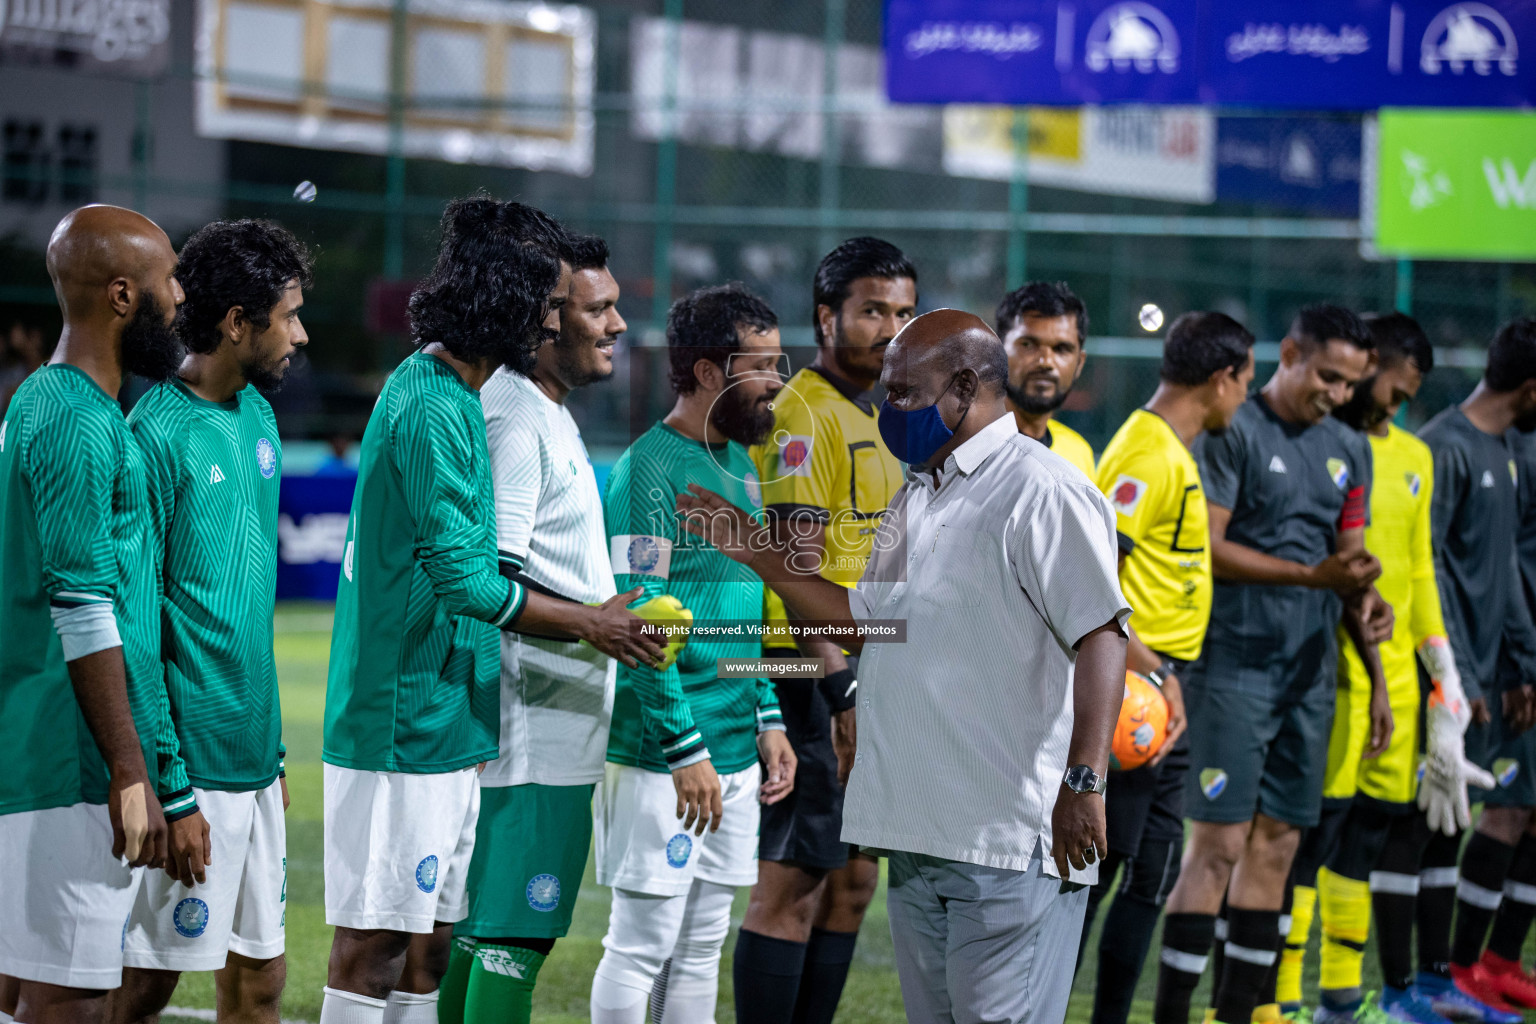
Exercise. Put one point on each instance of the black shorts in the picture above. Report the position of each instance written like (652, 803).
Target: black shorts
(1147, 803)
(806, 826)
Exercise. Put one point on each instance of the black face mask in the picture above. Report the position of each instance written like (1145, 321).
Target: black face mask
(150, 346)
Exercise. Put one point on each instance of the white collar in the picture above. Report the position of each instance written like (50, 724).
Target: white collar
(969, 456)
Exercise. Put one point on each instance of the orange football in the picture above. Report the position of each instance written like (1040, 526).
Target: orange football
(1143, 724)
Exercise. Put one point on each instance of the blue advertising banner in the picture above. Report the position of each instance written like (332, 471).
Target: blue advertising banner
(1307, 164)
(1040, 51)
(1289, 54)
(312, 514)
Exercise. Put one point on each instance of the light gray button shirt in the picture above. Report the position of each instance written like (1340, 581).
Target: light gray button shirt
(999, 571)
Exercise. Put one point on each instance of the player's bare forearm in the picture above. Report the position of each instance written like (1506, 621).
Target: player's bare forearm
(549, 616)
(739, 537)
(1138, 656)
(100, 682)
(807, 539)
(1098, 681)
(1242, 564)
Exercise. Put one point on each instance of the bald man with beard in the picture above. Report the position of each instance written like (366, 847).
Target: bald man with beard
(983, 740)
(83, 715)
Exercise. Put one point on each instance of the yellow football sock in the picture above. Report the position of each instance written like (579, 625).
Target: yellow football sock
(1288, 978)
(1346, 908)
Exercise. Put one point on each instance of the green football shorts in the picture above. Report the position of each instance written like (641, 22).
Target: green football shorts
(531, 846)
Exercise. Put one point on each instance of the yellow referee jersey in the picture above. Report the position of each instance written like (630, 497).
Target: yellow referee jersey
(1402, 488)
(825, 455)
(1154, 483)
(1070, 445)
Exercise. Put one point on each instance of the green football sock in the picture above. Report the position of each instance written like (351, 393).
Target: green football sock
(455, 984)
(501, 985)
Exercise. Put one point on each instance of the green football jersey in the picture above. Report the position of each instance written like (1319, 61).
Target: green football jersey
(415, 676)
(213, 470)
(74, 533)
(666, 719)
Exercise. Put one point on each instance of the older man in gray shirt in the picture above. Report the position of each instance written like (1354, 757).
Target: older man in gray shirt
(984, 740)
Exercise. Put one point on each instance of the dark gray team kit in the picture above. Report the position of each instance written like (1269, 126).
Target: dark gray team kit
(1260, 697)
(1476, 513)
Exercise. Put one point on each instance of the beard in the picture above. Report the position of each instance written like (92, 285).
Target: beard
(150, 347)
(1037, 405)
(1360, 412)
(572, 363)
(269, 379)
(743, 421)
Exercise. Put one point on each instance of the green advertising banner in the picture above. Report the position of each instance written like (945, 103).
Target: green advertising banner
(1455, 184)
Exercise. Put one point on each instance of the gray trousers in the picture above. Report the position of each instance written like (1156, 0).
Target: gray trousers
(979, 945)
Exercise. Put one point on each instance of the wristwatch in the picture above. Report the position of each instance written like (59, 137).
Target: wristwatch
(1081, 778)
(1163, 671)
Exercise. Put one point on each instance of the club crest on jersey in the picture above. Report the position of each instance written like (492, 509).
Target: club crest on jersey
(190, 917)
(426, 873)
(266, 458)
(1213, 782)
(543, 893)
(1126, 494)
(754, 489)
(1338, 472)
(1504, 770)
(1413, 483)
(679, 848)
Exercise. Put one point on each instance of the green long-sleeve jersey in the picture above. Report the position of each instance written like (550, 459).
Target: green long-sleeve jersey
(685, 713)
(213, 470)
(76, 572)
(414, 681)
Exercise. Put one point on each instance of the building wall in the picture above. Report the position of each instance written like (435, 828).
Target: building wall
(190, 171)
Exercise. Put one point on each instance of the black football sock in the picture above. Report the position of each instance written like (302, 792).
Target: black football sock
(1108, 870)
(827, 959)
(1513, 921)
(1484, 866)
(1252, 939)
(1128, 928)
(1395, 888)
(1187, 942)
(767, 974)
(1437, 899)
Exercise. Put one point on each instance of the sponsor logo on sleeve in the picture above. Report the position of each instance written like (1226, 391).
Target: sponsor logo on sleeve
(1126, 494)
(641, 555)
(795, 457)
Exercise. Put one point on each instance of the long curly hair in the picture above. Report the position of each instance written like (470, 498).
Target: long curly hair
(488, 293)
(245, 263)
